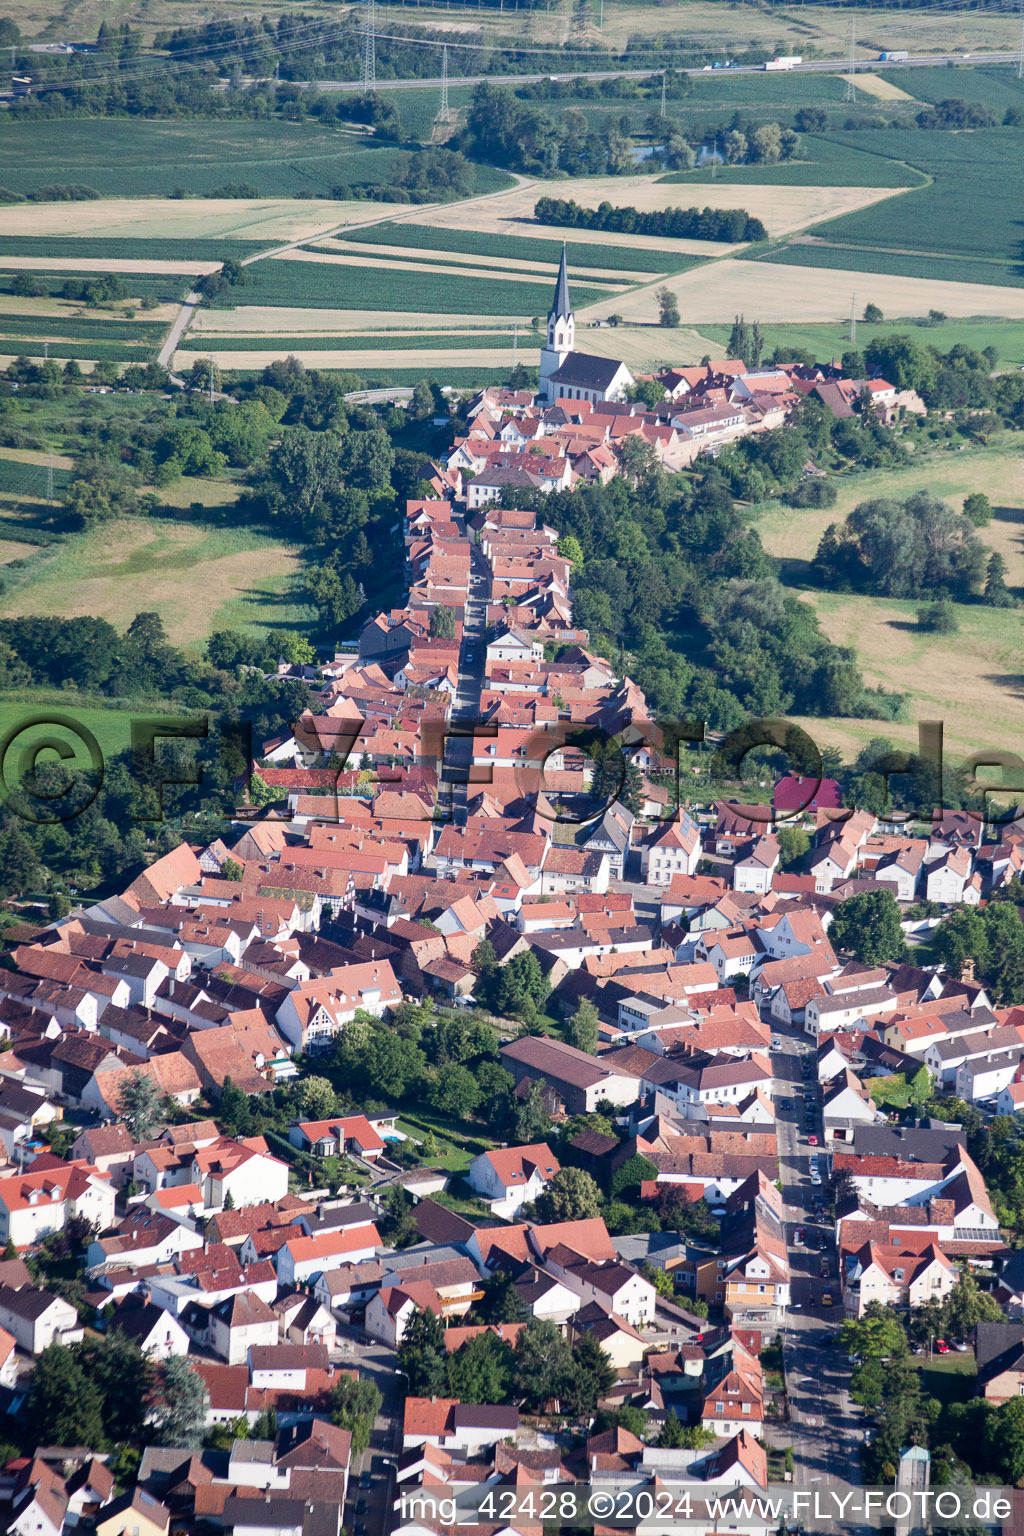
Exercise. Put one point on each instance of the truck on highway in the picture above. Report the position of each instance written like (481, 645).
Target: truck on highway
(785, 61)
(893, 56)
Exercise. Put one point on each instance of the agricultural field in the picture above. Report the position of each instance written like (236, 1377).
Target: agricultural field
(137, 157)
(542, 271)
(778, 293)
(326, 283)
(971, 680)
(971, 210)
(524, 249)
(792, 534)
(822, 161)
(263, 222)
(823, 342)
(196, 578)
(810, 252)
(782, 209)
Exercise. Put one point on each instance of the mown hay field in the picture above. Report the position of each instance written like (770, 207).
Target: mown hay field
(197, 579)
(972, 681)
(781, 208)
(793, 534)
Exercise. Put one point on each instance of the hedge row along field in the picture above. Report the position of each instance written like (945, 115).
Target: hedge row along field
(721, 224)
(319, 285)
(608, 258)
(164, 287)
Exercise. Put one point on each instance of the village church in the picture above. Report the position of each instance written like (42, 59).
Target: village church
(566, 374)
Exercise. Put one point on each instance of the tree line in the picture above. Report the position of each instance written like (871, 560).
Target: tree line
(728, 224)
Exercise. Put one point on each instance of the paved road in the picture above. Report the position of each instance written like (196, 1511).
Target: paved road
(458, 757)
(825, 1431)
(377, 1362)
(811, 66)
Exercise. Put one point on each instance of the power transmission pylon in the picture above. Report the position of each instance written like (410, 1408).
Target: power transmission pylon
(853, 317)
(851, 89)
(369, 46)
(49, 481)
(445, 117)
(211, 380)
(1020, 55)
(663, 93)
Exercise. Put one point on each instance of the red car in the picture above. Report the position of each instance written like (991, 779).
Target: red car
(812, 1140)
(941, 1347)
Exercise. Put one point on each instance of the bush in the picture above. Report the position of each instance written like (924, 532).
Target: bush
(939, 618)
(813, 492)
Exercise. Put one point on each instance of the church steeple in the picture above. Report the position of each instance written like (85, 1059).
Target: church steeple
(561, 322)
(562, 309)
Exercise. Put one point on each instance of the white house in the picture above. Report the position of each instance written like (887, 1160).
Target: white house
(508, 1177)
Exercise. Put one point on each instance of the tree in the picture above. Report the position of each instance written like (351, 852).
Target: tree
(501, 1302)
(966, 1306)
(582, 1030)
(398, 1223)
(482, 1371)
(63, 1406)
(978, 508)
(592, 1375)
(997, 593)
(182, 1417)
(867, 926)
(531, 1121)
(510, 988)
(231, 870)
(455, 1091)
(672, 1434)
(571, 1195)
(668, 307)
(355, 1406)
(10, 1251)
(421, 1354)
(873, 315)
(793, 843)
(315, 1098)
(139, 1105)
(570, 549)
(442, 622)
(628, 1177)
(766, 144)
(421, 406)
(544, 1363)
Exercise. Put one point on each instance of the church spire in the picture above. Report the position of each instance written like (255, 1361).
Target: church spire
(561, 308)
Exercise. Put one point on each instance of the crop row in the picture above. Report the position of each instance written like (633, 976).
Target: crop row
(321, 285)
(82, 327)
(604, 258)
(823, 162)
(899, 264)
(17, 479)
(81, 351)
(204, 342)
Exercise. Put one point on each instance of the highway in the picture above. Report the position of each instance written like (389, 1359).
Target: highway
(810, 66)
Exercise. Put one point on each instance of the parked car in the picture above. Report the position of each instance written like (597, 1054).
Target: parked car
(961, 1348)
(826, 1298)
(941, 1347)
(812, 1139)
(364, 1480)
(815, 1177)
(798, 1235)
